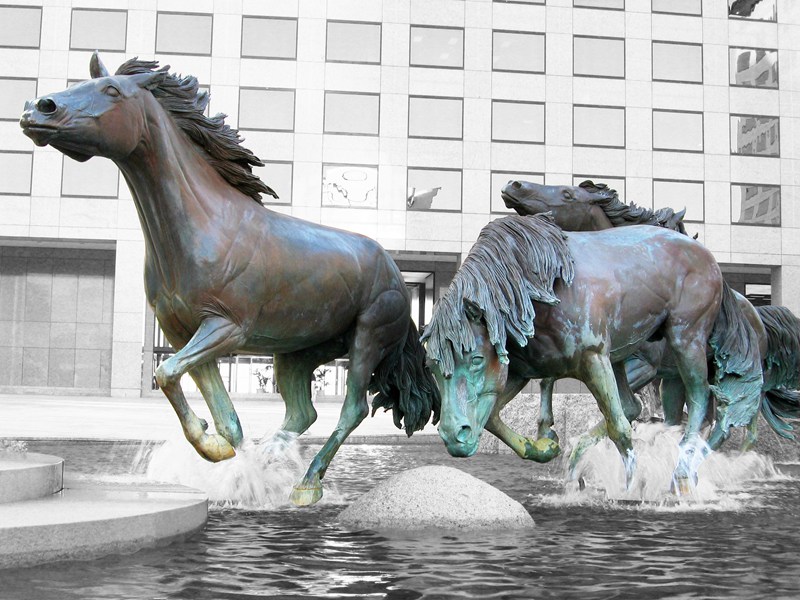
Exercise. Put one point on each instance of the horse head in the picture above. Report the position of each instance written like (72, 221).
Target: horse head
(103, 116)
(574, 208)
(469, 393)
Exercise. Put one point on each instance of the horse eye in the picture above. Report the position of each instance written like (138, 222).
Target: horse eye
(477, 361)
(112, 91)
(567, 195)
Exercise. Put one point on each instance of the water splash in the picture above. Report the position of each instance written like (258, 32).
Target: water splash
(259, 477)
(723, 478)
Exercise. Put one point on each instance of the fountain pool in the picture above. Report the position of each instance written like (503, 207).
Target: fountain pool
(742, 543)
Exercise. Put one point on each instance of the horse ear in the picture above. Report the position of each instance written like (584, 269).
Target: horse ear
(473, 311)
(96, 66)
(150, 79)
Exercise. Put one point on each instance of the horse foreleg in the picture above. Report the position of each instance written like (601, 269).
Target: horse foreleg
(215, 337)
(673, 399)
(210, 384)
(600, 378)
(750, 434)
(541, 450)
(546, 420)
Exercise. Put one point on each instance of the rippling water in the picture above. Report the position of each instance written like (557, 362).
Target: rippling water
(743, 544)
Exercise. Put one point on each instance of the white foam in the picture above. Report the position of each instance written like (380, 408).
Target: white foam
(723, 478)
(259, 477)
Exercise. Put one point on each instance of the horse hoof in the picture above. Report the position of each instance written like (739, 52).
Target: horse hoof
(214, 448)
(204, 424)
(306, 496)
(542, 450)
(682, 486)
(551, 435)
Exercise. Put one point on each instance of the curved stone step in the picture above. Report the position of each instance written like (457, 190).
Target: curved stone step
(28, 475)
(88, 520)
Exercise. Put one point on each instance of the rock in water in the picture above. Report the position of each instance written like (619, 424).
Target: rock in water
(436, 496)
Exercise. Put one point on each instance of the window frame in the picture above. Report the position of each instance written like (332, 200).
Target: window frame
(754, 87)
(740, 18)
(268, 18)
(266, 198)
(355, 62)
(529, 102)
(424, 66)
(267, 89)
(106, 10)
(531, 33)
(325, 129)
(185, 14)
(350, 164)
(668, 180)
(675, 110)
(460, 171)
(431, 137)
(624, 126)
(680, 14)
(778, 122)
(64, 159)
(601, 37)
(35, 92)
(41, 16)
(599, 7)
(773, 185)
(674, 43)
(30, 182)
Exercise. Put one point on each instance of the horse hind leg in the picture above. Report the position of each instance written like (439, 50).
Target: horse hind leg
(379, 330)
(546, 421)
(215, 337)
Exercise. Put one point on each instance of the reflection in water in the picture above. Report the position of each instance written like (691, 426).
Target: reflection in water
(753, 204)
(762, 10)
(592, 550)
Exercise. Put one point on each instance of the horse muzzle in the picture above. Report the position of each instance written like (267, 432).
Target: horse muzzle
(462, 443)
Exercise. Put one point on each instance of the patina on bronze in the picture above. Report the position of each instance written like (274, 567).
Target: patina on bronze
(226, 275)
(531, 301)
(595, 206)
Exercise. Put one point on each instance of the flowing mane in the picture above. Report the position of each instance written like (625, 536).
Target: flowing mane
(180, 98)
(621, 214)
(515, 261)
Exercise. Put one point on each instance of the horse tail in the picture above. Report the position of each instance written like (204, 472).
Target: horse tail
(405, 385)
(777, 406)
(783, 347)
(738, 379)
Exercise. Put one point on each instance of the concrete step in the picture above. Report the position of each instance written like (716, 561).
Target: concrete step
(28, 475)
(88, 520)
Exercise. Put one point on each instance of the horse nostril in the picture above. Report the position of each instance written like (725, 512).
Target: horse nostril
(46, 106)
(516, 185)
(464, 433)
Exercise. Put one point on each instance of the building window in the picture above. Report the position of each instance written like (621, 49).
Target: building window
(753, 67)
(678, 130)
(180, 33)
(755, 204)
(13, 95)
(353, 42)
(598, 126)
(517, 122)
(95, 178)
(266, 109)
(678, 195)
(16, 169)
(352, 113)
(269, 37)
(607, 4)
(98, 30)
(434, 189)
(598, 57)
(692, 8)
(499, 181)
(278, 176)
(520, 1)
(677, 62)
(350, 186)
(758, 10)
(437, 47)
(435, 117)
(614, 183)
(20, 26)
(518, 52)
(755, 136)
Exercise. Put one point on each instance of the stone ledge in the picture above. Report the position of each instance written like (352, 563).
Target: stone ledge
(28, 475)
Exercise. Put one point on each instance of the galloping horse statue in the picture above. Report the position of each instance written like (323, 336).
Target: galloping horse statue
(531, 301)
(594, 206)
(226, 275)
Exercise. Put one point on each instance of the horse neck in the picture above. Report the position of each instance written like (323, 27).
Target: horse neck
(177, 193)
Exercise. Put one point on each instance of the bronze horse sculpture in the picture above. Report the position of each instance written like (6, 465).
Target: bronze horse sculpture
(593, 207)
(226, 275)
(531, 301)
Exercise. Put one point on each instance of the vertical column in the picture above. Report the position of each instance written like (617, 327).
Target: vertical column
(129, 318)
(786, 287)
